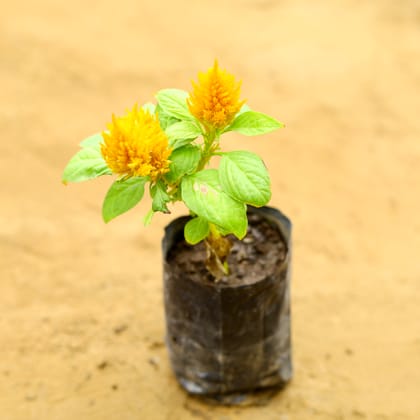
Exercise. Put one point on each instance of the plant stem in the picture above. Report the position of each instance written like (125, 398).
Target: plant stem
(211, 145)
(218, 248)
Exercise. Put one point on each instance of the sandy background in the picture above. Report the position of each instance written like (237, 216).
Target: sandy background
(81, 325)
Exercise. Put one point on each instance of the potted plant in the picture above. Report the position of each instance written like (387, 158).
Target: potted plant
(226, 264)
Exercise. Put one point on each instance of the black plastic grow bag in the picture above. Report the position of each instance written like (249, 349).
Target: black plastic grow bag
(227, 339)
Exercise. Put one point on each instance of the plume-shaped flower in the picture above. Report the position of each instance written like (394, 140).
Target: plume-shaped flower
(136, 145)
(215, 98)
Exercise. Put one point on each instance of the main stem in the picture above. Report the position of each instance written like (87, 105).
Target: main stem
(210, 146)
(218, 247)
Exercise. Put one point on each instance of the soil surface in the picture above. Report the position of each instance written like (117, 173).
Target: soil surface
(250, 260)
(82, 327)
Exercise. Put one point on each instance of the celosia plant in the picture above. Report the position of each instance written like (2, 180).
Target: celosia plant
(169, 146)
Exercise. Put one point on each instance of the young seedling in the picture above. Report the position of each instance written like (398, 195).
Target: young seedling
(169, 145)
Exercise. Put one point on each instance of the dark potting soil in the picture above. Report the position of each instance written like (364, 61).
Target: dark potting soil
(250, 260)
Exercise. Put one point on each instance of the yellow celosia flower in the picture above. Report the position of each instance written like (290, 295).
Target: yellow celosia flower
(215, 98)
(136, 145)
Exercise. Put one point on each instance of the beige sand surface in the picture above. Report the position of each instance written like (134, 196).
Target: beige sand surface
(81, 325)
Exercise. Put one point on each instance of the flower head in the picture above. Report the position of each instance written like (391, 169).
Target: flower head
(136, 145)
(215, 98)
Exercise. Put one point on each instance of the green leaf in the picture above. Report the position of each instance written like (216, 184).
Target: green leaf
(244, 177)
(123, 195)
(252, 123)
(183, 161)
(182, 132)
(165, 120)
(176, 144)
(149, 106)
(196, 230)
(174, 103)
(87, 163)
(92, 141)
(160, 197)
(202, 194)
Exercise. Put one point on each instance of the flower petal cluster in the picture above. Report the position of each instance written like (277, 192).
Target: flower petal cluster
(215, 98)
(136, 145)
